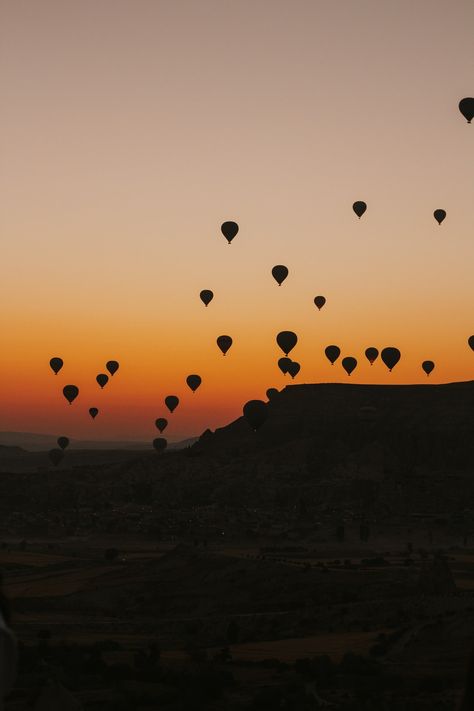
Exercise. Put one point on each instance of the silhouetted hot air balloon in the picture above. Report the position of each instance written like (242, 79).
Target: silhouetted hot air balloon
(466, 107)
(283, 364)
(279, 273)
(470, 341)
(371, 354)
(224, 343)
(93, 412)
(390, 357)
(160, 444)
(349, 364)
(70, 392)
(428, 366)
(272, 393)
(63, 442)
(206, 296)
(112, 366)
(332, 353)
(229, 230)
(359, 208)
(56, 364)
(287, 340)
(171, 402)
(294, 368)
(256, 413)
(439, 215)
(161, 423)
(193, 381)
(102, 379)
(56, 455)
(319, 301)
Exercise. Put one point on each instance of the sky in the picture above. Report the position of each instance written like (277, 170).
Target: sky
(131, 129)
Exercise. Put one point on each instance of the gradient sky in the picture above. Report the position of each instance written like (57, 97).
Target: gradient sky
(131, 129)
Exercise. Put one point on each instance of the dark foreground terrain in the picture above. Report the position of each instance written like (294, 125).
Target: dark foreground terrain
(326, 561)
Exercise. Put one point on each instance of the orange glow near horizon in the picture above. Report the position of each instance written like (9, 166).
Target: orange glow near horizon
(129, 137)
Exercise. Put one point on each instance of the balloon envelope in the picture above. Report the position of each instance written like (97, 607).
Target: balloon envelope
(287, 340)
(359, 208)
(439, 215)
(256, 413)
(332, 353)
(56, 455)
(229, 230)
(283, 364)
(93, 412)
(160, 444)
(56, 364)
(371, 354)
(466, 107)
(428, 366)
(171, 402)
(319, 301)
(102, 379)
(272, 393)
(224, 343)
(279, 273)
(390, 357)
(112, 366)
(63, 442)
(294, 368)
(193, 382)
(70, 392)
(349, 364)
(206, 296)
(161, 424)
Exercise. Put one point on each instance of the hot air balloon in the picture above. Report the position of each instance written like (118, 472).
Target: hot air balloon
(332, 353)
(56, 364)
(294, 368)
(256, 413)
(466, 107)
(171, 402)
(287, 340)
(390, 357)
(319, 301)
(93, 412)
(63, 442)
(283, 364)
(359, 208)
(206, 296)
(112, 366)
(102, 379)
(428, 366)
(70, 392)
(272, 393)
(349, 364)
(224, 343)
(161, 423)
(229, 230)
(56, 455)
(371, 354)
(439, 215)
(193, 381)
(470, 341)
(160, 444)
(279, 273)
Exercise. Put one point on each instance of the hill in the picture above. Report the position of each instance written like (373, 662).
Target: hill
(384, 449)
(35, 442)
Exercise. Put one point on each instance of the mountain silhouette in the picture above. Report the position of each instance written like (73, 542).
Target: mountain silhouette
(375, 448)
